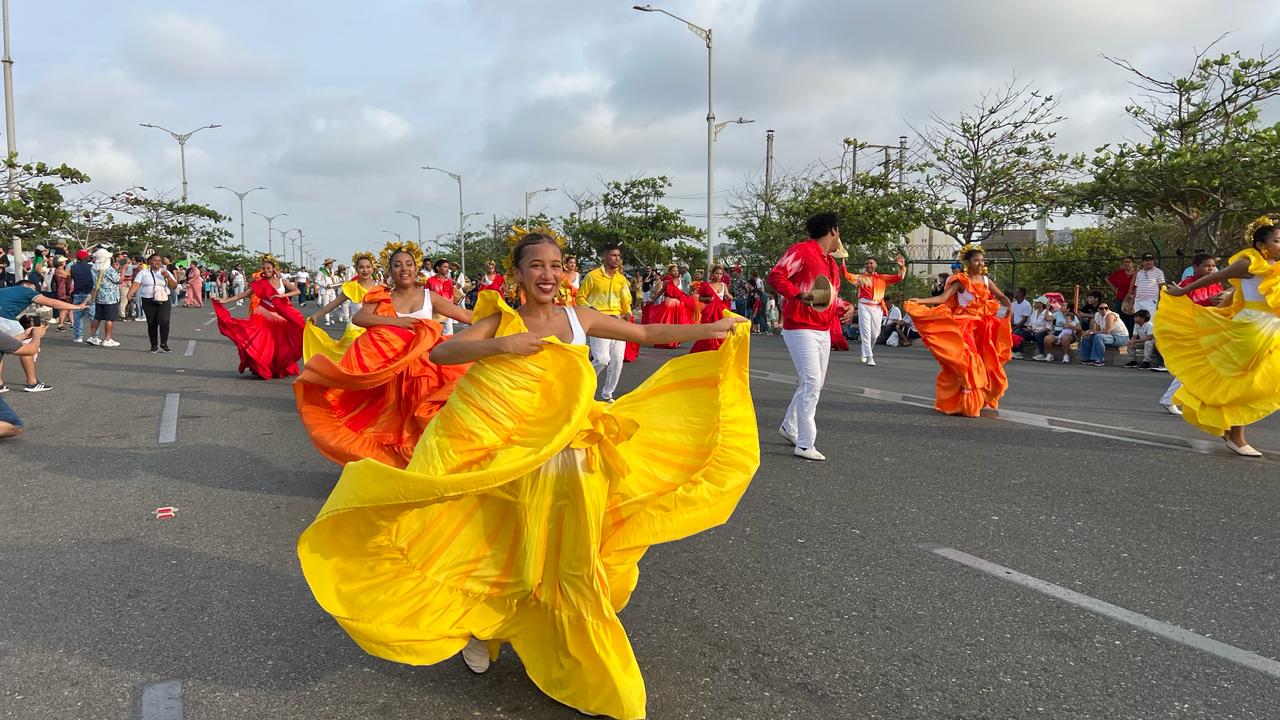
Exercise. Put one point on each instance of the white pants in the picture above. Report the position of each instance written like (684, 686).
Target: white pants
(870, 321)
(1148, 305)
(1167, 398)
(325, 297)
(810, 350)
(607, 354)
(447, 325)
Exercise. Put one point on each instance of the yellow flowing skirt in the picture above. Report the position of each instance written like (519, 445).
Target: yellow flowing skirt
(315, 341)
(1229, 364)
(525, 509)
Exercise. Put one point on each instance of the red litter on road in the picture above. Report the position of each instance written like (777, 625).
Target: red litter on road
(165, 513)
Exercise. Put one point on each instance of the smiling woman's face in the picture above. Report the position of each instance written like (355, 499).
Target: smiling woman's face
(540, 270)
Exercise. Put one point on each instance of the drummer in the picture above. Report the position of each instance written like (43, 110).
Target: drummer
(808, 279)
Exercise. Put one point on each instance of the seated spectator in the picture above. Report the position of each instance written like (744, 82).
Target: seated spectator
(1066, 328)
(1020, 312)
(1144, 338)
(25, 346)
(897, 330)
(1090, 308)
(1106, 330)
(1040, 324)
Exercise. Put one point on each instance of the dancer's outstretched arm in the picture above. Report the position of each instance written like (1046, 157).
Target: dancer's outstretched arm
(597, 324)
(947, 293)
(449, 309)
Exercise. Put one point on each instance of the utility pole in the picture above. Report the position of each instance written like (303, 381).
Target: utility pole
(902, 159)
(11, 138)
(768, 173)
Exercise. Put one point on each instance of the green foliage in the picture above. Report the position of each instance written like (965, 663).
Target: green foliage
(875, 213)
(1208, 161)
(994, 167)
(37, 209)
(1092, 254)
(632, 216)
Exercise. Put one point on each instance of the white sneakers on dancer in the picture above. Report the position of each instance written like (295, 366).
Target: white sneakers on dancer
(810, 350)
(476, 655)
(809, 454)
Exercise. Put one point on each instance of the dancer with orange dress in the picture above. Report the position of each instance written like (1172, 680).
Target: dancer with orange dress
(570, 283)
(270, 339)
(376, 400)
(527, 506)
(969, 341)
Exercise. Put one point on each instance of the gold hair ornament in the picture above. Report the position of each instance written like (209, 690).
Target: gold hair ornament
(392, 248)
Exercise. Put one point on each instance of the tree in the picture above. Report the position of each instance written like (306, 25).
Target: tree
(36, 209)
(875, 213)
(1208, 161)
(1086, 261)
(632, 216)
(995, 167)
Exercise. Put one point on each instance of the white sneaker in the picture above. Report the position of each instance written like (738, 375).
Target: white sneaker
(809, 454)
(1066, 359)
(476, 655)
(1038, 357)
(94, 340)
(864, 361)
(790, 436)
(1048, 357)
(871, 362)
(78, 340)
(110, 343)
(1171, 408)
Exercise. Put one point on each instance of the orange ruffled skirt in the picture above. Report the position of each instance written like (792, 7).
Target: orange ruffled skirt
(376, 401)
(971, 350)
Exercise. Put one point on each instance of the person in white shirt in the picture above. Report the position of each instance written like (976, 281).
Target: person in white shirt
(897, 328)
(237, 283)
(1020, 310)
(1066, 326)
(326, 286)
(1106, 330)
(1144, 336)
(1145, 289)
(1040, 324)
(303, 281)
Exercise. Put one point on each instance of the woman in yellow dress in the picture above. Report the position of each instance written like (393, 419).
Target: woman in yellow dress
(527, 505)
(317, 341)
(1228, 358)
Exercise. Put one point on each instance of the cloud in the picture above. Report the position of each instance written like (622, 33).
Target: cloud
(184, 48)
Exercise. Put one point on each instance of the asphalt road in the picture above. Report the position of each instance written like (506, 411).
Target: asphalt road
(817, 599)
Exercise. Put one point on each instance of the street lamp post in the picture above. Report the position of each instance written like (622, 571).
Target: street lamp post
(392, 232)
(241, 196)
(182, 148)
(461, 218)
(10, 137)
(417, 218)
(529, 196)
(705, 35)
(270, 219)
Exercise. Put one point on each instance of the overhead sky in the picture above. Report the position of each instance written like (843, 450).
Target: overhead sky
(334, 105)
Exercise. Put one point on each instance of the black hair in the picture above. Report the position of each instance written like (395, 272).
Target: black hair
(1094, 294)
(1261, 234)
(971, 252)
(1143, 313)
(435, 265)
(1201, 258)
(870, 257)
(1130, 258)
(822, 224)
(153, 256)
(1021, 290)
(603, 251)
(539, 238)
(25, 281)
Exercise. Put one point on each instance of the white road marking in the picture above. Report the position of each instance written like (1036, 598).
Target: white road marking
(211, 321)
(169, 419)
(1048, 422)
(191, 348)
(1163, 629)
(161, 701)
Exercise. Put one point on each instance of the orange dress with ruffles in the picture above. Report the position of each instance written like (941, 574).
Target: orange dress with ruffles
(970, 343)
(376, 401)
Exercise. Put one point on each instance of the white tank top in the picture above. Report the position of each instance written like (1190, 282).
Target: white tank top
(422, 313)
(1249, 289)
(278, 284)
(579, 337)
(965, 297)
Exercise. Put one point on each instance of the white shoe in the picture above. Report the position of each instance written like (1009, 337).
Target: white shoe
(871, 362)
(1038, 357)
(110, 343)
(809, 454)
(864, 361)
(78, 340)
(1066, 359)
(1245, 450)
(1171, 408)
(476, 655)
(93, 340)
(790, 436)
(1048, 357)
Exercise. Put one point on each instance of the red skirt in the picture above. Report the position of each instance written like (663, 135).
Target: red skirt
(269, 340)
(669, 311)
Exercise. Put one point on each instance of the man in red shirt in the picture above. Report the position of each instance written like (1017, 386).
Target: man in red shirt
(1121, 281)
(1209, 296)
(871, 286)
(805, 329)
(442, 285)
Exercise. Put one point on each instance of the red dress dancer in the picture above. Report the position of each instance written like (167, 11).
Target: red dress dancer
(838, 340)
(376, 401)
(270, 339)
(716, 300)
(675, 307)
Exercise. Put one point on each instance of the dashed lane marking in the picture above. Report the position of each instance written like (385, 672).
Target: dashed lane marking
(1160, 628)
(191, 348)
(169, 419)
(161, 701)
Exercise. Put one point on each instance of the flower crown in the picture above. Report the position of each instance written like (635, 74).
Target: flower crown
(971, 247)
(363, 255)
(268, 257)
(392, 248)
(517, 234)
(1264, 221)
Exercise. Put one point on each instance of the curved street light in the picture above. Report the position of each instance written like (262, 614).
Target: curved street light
(270, 219)
(241, 196)
(461, 218)
(529, 196)
(182, 148)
